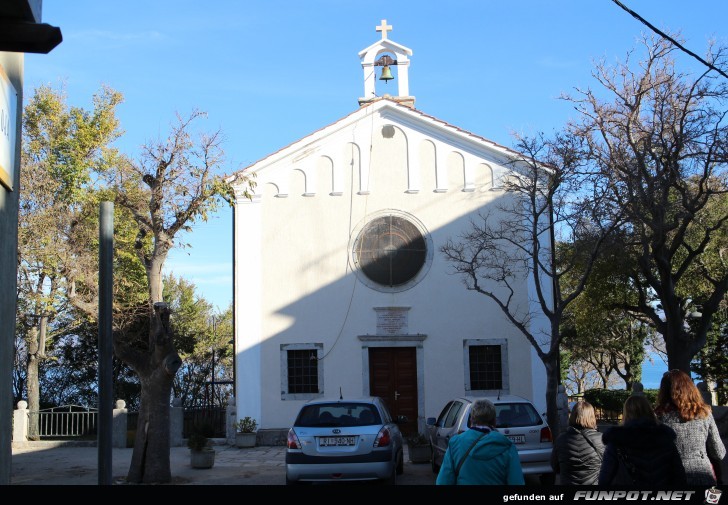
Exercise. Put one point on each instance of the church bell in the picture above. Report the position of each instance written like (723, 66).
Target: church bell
(386, 74)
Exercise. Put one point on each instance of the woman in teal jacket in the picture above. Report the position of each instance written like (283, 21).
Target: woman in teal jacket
(481, 455)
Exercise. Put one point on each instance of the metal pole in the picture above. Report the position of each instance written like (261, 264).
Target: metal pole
(106, 385)
(214, 337)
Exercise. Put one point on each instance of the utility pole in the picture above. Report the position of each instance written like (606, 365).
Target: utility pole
(106, 383)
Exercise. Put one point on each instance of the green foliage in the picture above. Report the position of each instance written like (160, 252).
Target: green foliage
(711, 363)
(564, 362)
(669, 183)
(607, 399)
(70, 142)
(62, 148)
(245, 425)
(612, 400)
(192, 315)
(417, 439)
(597, 331)
(69, 374)
(203, 340)
(200, 436)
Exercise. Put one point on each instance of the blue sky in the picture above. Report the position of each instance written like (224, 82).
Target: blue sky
(270, 72)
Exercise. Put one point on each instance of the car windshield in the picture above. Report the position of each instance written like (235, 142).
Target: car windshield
(513, 415)
(326, 415)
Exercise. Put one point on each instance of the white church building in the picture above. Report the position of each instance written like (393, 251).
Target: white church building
(340, 286)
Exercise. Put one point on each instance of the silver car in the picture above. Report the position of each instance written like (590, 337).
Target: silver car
(516, 418)
(344, 440)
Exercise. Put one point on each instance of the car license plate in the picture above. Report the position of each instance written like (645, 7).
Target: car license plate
(517, 439)
(336, 441)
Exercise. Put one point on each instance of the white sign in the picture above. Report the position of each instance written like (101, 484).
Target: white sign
(8, 116)
(392, 320)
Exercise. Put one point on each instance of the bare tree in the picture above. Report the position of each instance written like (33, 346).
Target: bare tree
(662, 143)
(171, 186)
(582, 376)
(550, 198)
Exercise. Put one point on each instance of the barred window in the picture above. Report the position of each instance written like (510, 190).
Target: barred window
(302, 371)
(486, 368)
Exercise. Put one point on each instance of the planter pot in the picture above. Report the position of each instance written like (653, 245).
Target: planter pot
(204, 458)
(419, 453)
(245, 439)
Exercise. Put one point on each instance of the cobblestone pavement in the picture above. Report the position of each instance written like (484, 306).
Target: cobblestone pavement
(42, 463)
(37, 463)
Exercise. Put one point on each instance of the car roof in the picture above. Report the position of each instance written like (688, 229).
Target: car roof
(496, 399)
(364, 399)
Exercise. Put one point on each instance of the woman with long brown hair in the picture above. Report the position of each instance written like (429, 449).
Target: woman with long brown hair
(641, 452)
(680, 406)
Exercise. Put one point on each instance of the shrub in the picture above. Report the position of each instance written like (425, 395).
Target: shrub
(197, 441)
(199, 437)
(607, 399)
(245, 425)
(612, 400)
(416, 439)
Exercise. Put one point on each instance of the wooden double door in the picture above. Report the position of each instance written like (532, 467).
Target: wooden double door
(393, 376)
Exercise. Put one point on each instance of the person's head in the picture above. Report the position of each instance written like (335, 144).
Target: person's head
(482, 413)
(583, 416)
(678, 393)
(638, 407)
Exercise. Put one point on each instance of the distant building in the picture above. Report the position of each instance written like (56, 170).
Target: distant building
(340, 286)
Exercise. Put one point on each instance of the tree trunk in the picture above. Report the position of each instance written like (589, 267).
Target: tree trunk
(33, 384)
(154, 273)
(679, 354)
(552, 384)
(156, 368)
(680, 345)
(150, 459)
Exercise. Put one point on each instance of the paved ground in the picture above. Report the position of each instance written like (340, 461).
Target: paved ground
(40, 463)
(43, 464)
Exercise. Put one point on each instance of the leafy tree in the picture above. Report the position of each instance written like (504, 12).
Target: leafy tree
(661, 143)
(712, 362)
(172, 185)
(69, 375)
(61, 147)
(204, 345)
(551, 197)
(598, 332)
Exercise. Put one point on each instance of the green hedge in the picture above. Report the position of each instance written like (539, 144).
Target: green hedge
(612, 400)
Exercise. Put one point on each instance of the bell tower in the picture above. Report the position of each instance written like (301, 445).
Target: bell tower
(391, 61)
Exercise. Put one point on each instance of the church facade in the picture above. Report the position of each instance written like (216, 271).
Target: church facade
(340, 286)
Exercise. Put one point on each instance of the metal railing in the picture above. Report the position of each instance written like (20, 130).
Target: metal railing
(65, 421)
(211, 420)
(75, 421)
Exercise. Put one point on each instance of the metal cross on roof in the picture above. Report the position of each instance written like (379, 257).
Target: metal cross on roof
(384, 28)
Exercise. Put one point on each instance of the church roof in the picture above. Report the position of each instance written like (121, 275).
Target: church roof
(386, 45)
(379, 104)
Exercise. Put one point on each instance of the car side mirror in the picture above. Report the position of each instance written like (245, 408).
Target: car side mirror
(431, 421)
(401, 419)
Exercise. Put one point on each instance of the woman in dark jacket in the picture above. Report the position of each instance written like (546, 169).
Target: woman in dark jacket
(641, 452)
(577, 453)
